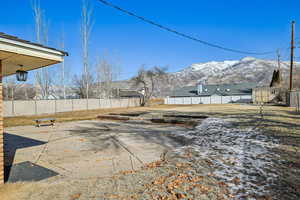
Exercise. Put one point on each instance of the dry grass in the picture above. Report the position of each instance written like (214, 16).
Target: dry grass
(64, 116)
(76, 115)
(277, 119)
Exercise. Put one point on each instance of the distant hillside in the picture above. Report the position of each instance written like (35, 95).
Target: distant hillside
(248, 69)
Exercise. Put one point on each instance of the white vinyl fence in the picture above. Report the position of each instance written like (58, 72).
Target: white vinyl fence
(215, 99)
(294, 99)
(36, 107)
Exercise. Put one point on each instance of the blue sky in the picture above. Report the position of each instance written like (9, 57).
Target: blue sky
(254, 25)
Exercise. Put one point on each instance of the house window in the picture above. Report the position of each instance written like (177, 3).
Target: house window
(227, 89)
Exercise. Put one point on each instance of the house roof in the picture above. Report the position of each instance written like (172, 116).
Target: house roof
(185, 92)
(16, 52)
(217, 89)
(129, 93)
(11, 37)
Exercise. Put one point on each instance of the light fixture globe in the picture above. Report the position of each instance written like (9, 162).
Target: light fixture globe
(21, 74)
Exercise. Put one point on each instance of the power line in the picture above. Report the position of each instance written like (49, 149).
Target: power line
(182, 34)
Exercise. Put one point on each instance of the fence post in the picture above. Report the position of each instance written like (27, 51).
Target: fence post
(298, 103)
(87, 104)
(72, 105)
(35, 107)
(55, 109)
(13, 107)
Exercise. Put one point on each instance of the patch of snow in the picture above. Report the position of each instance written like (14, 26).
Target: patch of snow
(235, 154)
(247, 59)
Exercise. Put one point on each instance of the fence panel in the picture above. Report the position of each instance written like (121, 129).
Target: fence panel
(7, 110)
(215, 99)
(23, 108)
(187, 100)
(79, 104)
(226, 99)
(18, 108)
(196, 100)
(235, 98)
(294, 100)
(124, 103)
(93, 104)
(205, 100)
(44, 106)
(64, 105)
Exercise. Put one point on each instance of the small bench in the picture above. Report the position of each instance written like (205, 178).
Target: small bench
(45, 121)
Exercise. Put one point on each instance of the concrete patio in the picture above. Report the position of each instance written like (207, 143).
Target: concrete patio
(89, 149)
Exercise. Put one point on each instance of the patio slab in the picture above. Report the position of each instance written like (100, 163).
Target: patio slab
(89, 149)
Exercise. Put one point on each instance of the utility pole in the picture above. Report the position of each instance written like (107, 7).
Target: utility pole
(292, 55)
(279, 68)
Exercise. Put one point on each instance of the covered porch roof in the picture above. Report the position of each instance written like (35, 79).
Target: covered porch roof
(15, 52)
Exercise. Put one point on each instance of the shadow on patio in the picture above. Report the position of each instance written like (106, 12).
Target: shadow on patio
(11, 144)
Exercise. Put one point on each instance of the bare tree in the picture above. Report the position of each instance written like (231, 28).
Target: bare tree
(43, 80)
(108, 71)
(104, 78)
(11, 87)
(12, 90)
(148, 79)
(63, 67)
(86, 27)
(37, 12)
(79, 85)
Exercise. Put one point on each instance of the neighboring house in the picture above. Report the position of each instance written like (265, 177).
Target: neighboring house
(56, 97)
(130, 94)
(212, 94)
(126, 93)
(49, 97)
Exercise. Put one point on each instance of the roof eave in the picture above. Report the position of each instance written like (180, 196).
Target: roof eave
(32, 46)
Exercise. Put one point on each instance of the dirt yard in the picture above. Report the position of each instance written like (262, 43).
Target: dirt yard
(236, 153)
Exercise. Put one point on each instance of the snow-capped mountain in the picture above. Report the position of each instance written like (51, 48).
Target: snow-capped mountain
(248, 69)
